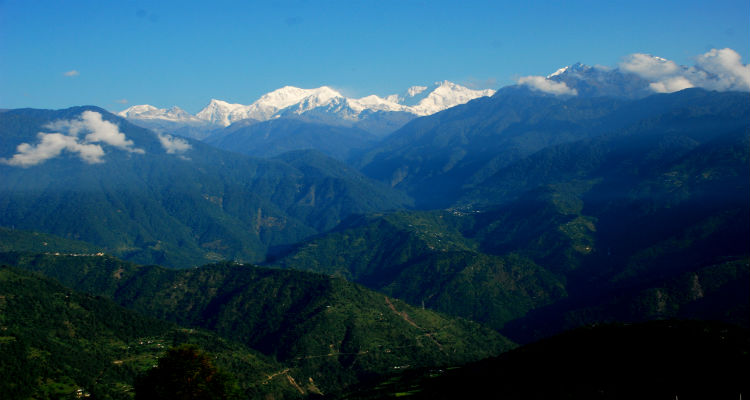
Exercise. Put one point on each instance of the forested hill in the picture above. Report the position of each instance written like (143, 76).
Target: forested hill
(332, 332)
(82, 173)
(642, 213)
(59, 343)
(453, 155)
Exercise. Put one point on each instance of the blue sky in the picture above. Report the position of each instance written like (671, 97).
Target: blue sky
(56, 54)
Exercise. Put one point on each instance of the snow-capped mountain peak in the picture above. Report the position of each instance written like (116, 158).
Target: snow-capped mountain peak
(446, 94)
(290, 95)
(269, 105)
(558, 72)
(139, 111)
(291, 101)
(146, 111)
(218, 112)
(376, 103)
(312, 98)
(424, 100)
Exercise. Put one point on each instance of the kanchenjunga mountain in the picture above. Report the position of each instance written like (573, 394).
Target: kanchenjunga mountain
(324, 105)
(291, 118)
(326, 332)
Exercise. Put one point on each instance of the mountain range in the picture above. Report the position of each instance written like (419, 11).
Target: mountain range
(322, 119)
(389, 253)
(376, 114)
(557, 212)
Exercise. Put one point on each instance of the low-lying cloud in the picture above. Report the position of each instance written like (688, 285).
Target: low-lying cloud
(717, 69)
(174, 145)
(52, 145)
(98, 130)
(543, 84)
(65, 137)
(725, 70)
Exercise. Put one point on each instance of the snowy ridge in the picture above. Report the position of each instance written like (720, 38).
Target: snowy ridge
(558, 72)
(222, 113)
(306, 99)
(290, 100)
(146, 111)
(446, 95)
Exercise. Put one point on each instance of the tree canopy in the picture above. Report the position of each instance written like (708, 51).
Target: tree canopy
(185, 372)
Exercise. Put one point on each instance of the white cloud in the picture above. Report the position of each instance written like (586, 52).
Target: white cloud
(98, 130)
(725, 69)
(672, 84)
(72, 73)
(106, 132)
(174, 145)
(715, 70)
(67, 138)
(543, 84)
(649, 67)
(52, 145)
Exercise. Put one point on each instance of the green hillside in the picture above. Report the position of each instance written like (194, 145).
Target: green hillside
(423, 258)
(180, 210)
(332, 333)
(35, 242)
(658, 193)
(56, 342)
(543, 252)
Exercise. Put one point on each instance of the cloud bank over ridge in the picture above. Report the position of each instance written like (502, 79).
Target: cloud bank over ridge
(717, 69)
(65, 136)
(173, 145)
(546, 85)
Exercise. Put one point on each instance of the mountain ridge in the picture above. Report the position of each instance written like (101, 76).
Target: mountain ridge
(329, 330)
(290, 101)
(172, 197)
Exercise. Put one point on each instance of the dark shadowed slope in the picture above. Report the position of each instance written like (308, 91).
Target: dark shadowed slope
(655, 360)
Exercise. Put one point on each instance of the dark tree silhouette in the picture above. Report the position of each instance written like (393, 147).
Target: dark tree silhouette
(185, 373)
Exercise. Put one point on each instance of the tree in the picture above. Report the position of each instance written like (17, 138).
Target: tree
(185, 373)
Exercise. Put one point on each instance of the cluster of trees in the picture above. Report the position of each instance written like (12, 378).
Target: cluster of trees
(186, 373)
